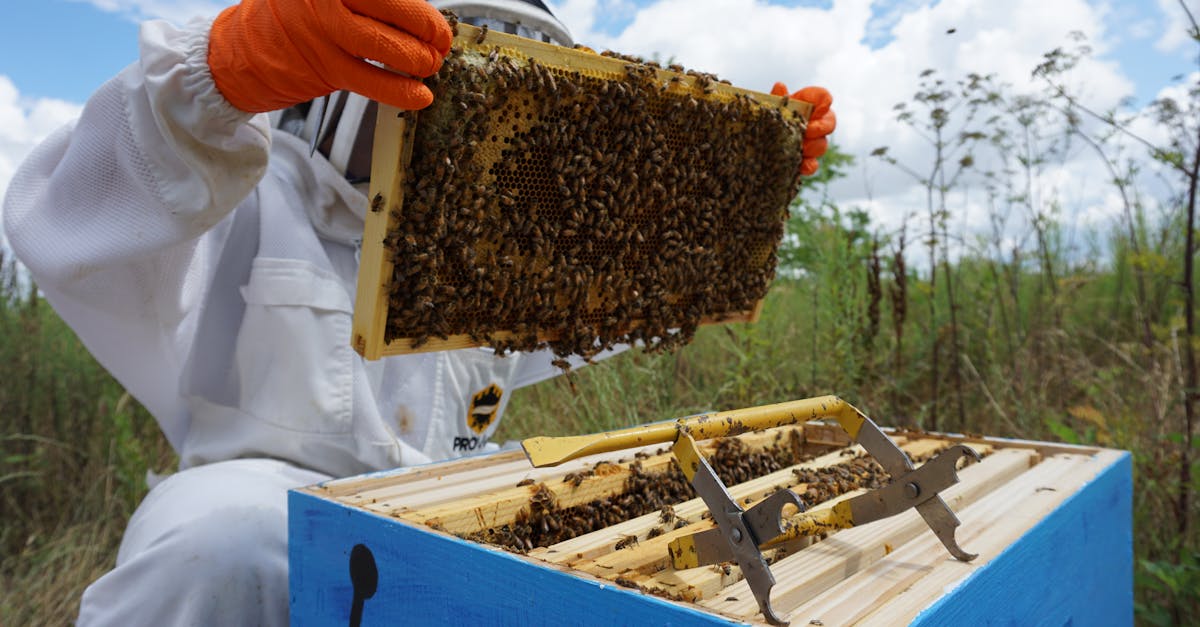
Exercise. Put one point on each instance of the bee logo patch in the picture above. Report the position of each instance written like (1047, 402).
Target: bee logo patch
(484, 404)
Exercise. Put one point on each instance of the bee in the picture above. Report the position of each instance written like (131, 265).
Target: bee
(483, 31)
(724, 569)
(452, 19)
(628, 583)
(525, 482)
(626, 542)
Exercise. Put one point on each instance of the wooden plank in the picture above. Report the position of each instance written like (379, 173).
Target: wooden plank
(426, 484)
(802, 576)
(651, 555)
(593, 545)
(824, 564)
(582, 549)
(861, 594)
(470, 511)
(452, 503)
(440, 489)
(1046, 449)
(1033, 504)
(1075, 565)
(484, 511)
(385, 197)
(353, 486)
(511, 468)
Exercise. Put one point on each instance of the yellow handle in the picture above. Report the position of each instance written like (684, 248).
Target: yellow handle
(815, 523)
(545, 451)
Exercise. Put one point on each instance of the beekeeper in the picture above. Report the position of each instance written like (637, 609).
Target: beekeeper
(209, 262)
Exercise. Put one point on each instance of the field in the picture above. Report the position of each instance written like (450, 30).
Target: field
(1052, 335)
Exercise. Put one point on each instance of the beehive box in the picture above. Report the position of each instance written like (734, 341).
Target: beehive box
(560, 197)
(491, 540)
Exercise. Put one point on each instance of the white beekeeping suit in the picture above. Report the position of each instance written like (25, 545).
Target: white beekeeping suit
(209, 263)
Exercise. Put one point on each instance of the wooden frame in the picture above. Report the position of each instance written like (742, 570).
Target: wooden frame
(393, 150)
(1040, 515)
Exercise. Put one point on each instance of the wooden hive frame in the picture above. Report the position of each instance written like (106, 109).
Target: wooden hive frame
(397, 132)
(889, 572)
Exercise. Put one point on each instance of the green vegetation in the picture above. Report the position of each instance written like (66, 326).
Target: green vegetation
(74, 451)
(1024, 337)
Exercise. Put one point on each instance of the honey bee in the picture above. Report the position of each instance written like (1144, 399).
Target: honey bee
(724, 569)
(626, 582)
(483, 31)
(626, 542)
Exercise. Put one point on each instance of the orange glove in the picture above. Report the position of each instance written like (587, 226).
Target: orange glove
(271, 54)
(821, 123)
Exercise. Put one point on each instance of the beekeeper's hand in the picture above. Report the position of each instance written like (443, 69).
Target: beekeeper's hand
(820, 124)
(271, 54)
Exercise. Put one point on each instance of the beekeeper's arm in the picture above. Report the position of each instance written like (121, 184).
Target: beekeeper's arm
(166, 149)
(108, 212)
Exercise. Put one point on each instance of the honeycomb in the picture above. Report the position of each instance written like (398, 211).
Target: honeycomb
(551, 203)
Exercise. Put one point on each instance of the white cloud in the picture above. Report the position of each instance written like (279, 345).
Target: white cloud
(178, 12)
(803, 45)
(24, 123)
(1175, 25)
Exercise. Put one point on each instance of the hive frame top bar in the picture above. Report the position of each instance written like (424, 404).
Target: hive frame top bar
(390, 156)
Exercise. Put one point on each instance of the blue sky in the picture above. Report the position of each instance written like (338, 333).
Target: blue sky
(65, 49)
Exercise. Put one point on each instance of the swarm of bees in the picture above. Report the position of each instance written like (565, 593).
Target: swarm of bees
(545, 207)
(545, 523)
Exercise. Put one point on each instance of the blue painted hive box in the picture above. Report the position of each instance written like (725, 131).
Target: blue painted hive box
(492, 540)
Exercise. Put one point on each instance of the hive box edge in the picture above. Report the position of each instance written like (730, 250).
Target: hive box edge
(1078, 559)
(453, 581)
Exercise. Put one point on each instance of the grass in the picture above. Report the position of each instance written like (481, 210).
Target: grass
(76, 448)
(74, 451)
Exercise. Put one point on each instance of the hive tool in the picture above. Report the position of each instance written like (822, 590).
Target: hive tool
(741, 534)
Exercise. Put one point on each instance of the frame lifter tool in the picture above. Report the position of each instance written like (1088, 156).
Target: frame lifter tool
(740, 533)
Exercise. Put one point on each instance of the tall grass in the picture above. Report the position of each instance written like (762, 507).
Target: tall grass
(74, 451)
